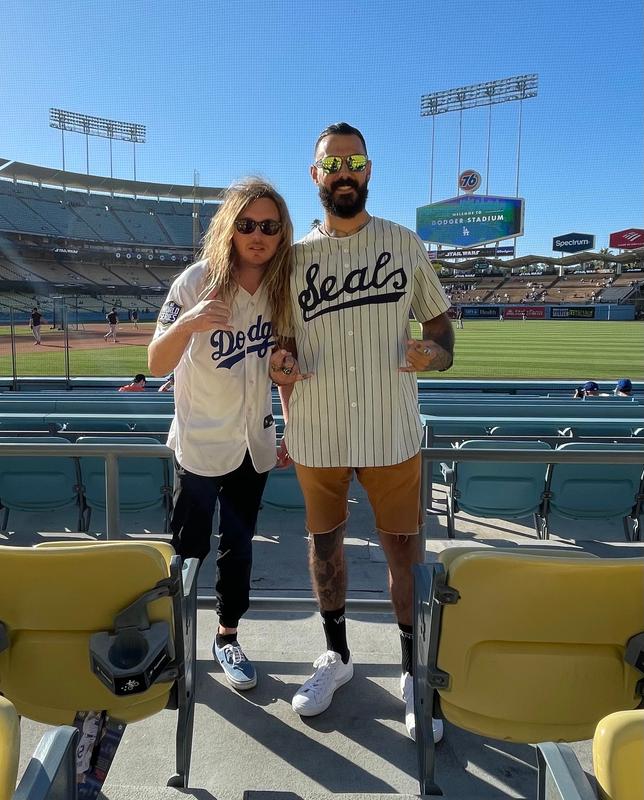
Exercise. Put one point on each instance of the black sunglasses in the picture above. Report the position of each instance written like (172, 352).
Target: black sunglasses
(269, 227)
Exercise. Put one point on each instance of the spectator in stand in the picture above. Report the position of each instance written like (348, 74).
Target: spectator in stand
(591, 389)
(168, 386)
(35, 320)
(138, 385)
(624, 388)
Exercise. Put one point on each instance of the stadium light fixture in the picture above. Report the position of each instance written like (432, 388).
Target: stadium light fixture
(97, 126)
(506, 90)
(490, 93)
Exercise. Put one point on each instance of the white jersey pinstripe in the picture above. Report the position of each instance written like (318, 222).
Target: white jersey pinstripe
(351, 298)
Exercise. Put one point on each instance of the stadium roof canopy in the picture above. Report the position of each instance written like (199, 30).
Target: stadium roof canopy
(49, 176)
(627, 257)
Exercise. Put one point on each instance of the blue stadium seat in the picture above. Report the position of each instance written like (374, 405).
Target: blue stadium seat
(282, 489)
(495, 489)
(144, 483)
(595, 492)
(40, 483)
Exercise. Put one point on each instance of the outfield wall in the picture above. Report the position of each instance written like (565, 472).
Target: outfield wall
(599, 313)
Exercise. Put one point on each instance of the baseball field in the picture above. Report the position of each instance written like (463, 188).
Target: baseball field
(491, 349)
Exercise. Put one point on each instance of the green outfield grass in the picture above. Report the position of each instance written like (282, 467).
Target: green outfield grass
(565, 350)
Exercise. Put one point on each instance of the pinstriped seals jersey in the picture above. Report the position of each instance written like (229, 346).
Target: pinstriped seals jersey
(351, 301)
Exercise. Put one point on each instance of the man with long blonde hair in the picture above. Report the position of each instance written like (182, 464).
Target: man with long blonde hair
(217, 331)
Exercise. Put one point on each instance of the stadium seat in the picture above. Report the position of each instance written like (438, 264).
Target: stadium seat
(618, 762)
(104, 627)
(494, 489)
(9, 748)
(40, 483)
(538, 429)
(282, 489)
(524, 647)
(144, 483)
(599, 492)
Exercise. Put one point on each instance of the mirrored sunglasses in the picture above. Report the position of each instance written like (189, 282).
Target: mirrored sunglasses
(269, 227)
(355, 163)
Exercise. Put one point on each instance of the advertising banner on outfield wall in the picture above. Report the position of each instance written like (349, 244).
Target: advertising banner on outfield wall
(530, 312)
(469, 220)
(572, 312)
(481, 312)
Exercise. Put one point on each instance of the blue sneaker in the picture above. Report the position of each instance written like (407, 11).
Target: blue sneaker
(239, 671)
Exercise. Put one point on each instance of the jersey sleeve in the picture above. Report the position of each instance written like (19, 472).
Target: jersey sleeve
(429, 299)
(181, 298)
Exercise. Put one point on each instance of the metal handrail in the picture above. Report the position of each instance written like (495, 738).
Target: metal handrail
(111, 452)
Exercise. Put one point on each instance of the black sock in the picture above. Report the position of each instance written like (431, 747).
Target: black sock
(222, 639)
(407, 647)
(335, 631)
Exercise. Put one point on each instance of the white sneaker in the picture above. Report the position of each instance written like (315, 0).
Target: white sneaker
(316, 693)
(407, 692)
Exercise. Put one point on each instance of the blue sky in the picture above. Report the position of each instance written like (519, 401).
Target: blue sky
(232, 89)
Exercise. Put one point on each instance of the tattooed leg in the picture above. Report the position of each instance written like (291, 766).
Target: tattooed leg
(328, 569)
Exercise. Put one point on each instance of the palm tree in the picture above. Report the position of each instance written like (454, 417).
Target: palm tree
(316, 223)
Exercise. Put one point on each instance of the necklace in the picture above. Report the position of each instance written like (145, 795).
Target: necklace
(335, 234)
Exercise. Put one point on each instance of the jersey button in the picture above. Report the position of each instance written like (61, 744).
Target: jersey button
(352, 369)
(349, 333)
(353, 405)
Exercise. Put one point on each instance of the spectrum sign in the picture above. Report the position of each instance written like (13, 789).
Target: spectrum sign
(573, 242)
(470, 220)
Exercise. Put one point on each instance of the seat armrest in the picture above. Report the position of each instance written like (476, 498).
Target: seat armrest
(561, 776)
(51, 772)
(448, 473)
(189, 570)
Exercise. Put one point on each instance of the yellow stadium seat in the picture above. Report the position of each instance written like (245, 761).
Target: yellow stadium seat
(523, 646)
(618, 755)
(50, 773)
(99, 627)
(618, 763)
(9, 748)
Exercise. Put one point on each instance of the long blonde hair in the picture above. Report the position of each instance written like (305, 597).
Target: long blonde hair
(218, 250)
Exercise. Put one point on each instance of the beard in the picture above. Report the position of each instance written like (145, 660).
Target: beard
(344, 206)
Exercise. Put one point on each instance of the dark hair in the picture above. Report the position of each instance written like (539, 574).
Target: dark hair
(340, 129)
(139, 377)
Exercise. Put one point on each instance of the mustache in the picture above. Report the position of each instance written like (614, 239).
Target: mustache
(344, 182)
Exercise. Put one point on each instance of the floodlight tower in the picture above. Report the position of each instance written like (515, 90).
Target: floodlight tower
(96, 126)
(488, 94)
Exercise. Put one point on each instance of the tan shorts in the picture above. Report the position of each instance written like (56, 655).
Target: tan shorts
(394, 495)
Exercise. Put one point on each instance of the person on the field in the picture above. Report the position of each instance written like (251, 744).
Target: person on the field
(35, 321)
(217, 330)
(355, 280)
(112, 323)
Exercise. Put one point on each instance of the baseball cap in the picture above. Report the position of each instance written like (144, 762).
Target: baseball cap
(591, 386)
(624, 385)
